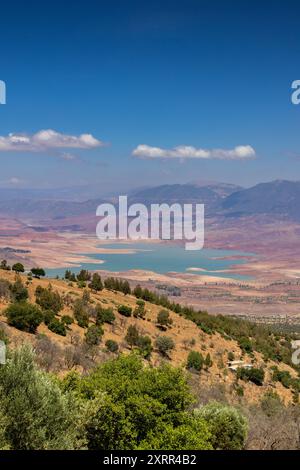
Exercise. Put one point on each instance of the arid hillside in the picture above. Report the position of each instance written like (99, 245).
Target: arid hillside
(79, 348)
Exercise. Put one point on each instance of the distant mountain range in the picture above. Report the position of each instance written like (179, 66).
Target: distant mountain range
(278, 198)
(211, 195)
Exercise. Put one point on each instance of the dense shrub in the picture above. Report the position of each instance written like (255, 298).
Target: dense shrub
(144, 345)
(80, 313)
(93, 335)
(195, 361)
(48, 316)
(164, 344)
(132, 335)
(163, 319)
(253, 375)
(38, 414)
(282, 376)
(227, 425)
(139, 311)
(24, 316)
(19, 292)
(67, 320)
(48, 299)
(125, 310)
(121, 405)
(104, 315)
(57, 327)
(111, 345)
(245, 344)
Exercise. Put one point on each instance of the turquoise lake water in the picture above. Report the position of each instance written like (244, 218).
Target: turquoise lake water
(163, 258)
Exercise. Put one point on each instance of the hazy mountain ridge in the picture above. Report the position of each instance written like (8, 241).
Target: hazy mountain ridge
(277, 198)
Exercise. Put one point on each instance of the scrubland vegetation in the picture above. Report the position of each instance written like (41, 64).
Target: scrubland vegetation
(112, 394)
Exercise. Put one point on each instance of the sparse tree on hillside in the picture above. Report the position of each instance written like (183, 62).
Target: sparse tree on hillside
(164, 320)
(4, 265)
(83, 275)
(38, 272)
(132, 335)
(96, 283)
(164, 344)
(195, 361)
(19, 293)
(93, 335)
(48, 299)
(125, 310)
(18, 267)
(137, 291)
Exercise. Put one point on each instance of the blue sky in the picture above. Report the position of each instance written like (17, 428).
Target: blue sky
(200, 74)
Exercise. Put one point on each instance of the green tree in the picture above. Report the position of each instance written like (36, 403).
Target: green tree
(96, 283)
(38, 414)
(38, 272)
(80, 313)
(83, 275)
(136, 401)
(18, 267)
(126, 288)
(230, 356)
(4, 265)
(137, 291)
(228, 426)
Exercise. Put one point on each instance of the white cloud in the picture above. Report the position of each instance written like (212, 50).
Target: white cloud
(45, 140)
(183, 152)
(14, 180)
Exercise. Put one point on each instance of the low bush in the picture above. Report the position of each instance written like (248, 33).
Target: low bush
(195, 361)
(57, 327)
(125, 310)
(111, 345)
(24, 316)
(254, 375)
